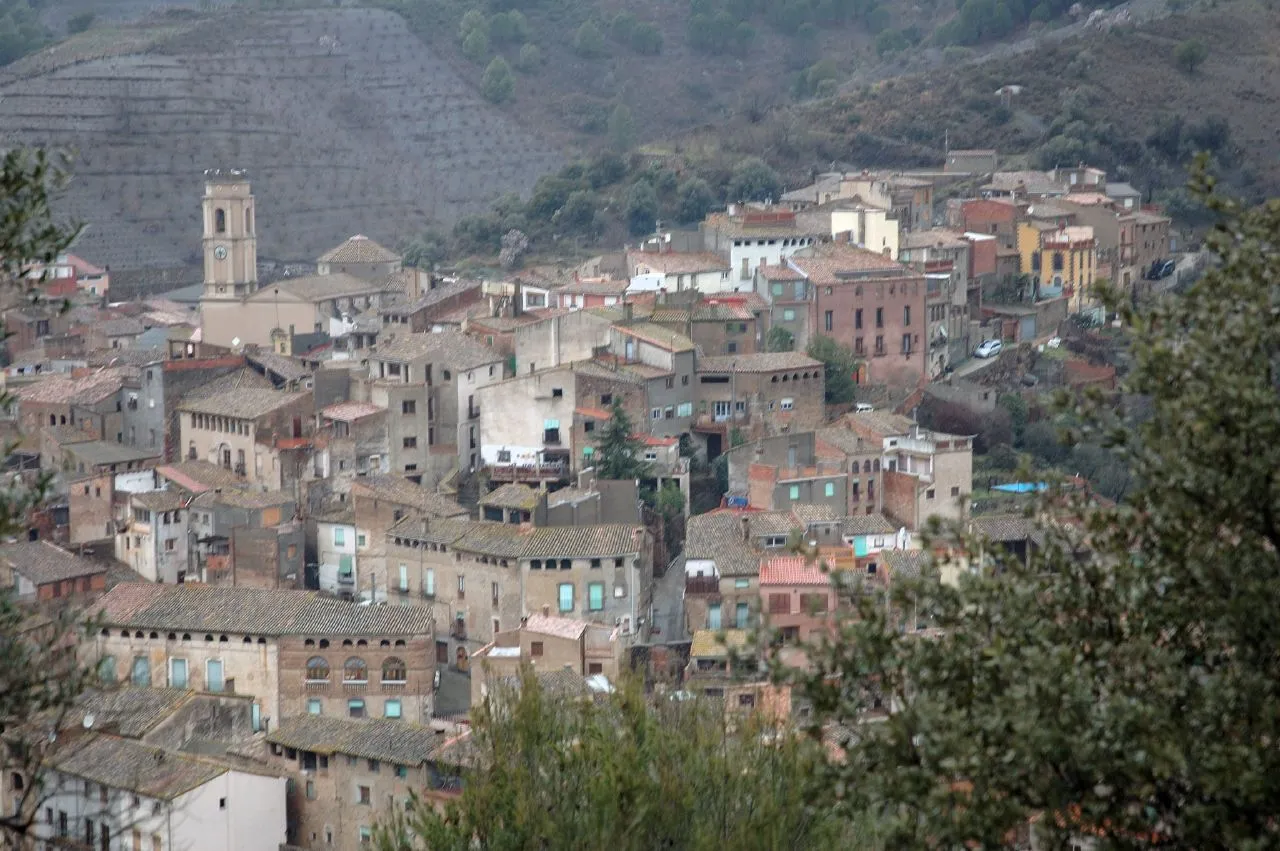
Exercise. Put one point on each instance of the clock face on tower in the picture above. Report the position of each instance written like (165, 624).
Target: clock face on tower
(220, 252)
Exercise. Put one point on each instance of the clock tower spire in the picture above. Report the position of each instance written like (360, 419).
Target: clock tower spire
(230, 236)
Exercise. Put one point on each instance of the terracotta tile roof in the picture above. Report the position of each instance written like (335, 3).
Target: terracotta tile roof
(134, 711)
(245, 497)
(883, 423)
(123, 326)
(512, 495)
(451, 348)
(807, 513)
(243, 403)
(103, 452)
(160, 500)
(434, 296)
(654, 440)
(866, 524)
(359, 249)
(905, 564)
(570, 494)
(663, 338)
(780, 273)
(1008, 528)
(319, 288)
(127, 764)
(1146, 217)
(290, 369)
(792, 570)
(934, 238)
(253, 611)
(758, 362)
(677, 263)
(244, 378)
(717, 536)
(836, 262)
(760, 223)
(771, 523)
(433, 530)
(198, 476)
(400, 491)
(710, 643)
(62, 390)
(612, 539)
(42, 562)
(665, 316)
(396, 742)
(717, 311)
(349, 412)
(556, 627)
(593, 413)
(504, 540)
(588, 286)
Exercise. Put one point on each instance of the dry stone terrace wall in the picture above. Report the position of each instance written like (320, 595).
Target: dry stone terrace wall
(343, 118)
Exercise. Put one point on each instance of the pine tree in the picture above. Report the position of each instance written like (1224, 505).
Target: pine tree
(620, 453)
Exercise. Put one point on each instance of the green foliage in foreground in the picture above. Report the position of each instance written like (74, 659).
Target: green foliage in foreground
(561, 773)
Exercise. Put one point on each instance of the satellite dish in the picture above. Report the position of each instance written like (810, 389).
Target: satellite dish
(88, 721)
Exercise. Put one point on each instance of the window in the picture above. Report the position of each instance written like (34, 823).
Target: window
(557, 392)
(906, 344)
(170, 544)
(410, 442)
(374, 766)
(493, 592)
(955, 491)
(906, 315)
(219, 226)
(535, 648)
(429, 582)
(788, 315)
(788, 404)
(776, 289)
(595, 596)
(566, 596)
(391, 709)
(177, 673)
(339, 536)
(409, 406)
(394, 670)
(713, 616)
(879, 345)
(857, 318)
(213, 675)
(354, 670)
(141, 675)
(928, 494)
(655, 414)
(402, 771)
(313, 706)
(742, 615)
(684, 409)
(879, 317)
(828, 320)
(589, 426)
(107, 669)
(741, 583)
(829, 489)
(462, 587)
(318, 669)
(355, 708)
(404, 578)
(366, 834)
(793, 492)
(364, 796)
(311, 790)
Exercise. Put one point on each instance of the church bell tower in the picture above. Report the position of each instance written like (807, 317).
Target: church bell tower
(230, 236)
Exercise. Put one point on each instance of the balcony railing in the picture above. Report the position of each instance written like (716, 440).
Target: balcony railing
(701, 585)
(459, 631)
(528, 472)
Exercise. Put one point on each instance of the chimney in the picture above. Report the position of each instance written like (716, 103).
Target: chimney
(746, 528)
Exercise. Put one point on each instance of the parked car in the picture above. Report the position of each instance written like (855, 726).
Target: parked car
(1167, 268)
(988, 349)
(863, 408)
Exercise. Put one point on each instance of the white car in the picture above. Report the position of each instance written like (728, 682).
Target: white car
(988, 349)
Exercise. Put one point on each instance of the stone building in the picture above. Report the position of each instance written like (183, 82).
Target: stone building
(548, 643)
(761, 394)
(349, 776)
(40, 571)
(292, 651)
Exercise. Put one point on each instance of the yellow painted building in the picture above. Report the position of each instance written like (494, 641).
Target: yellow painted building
(1062, 259)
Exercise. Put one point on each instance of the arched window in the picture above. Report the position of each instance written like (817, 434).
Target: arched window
(355, 671)
(317, 668)
(866, 466)
(219, 220)
(393, 670)
(107, 669)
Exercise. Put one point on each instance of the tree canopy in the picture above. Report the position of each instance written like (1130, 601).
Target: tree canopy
(840, 365)
(620, 454)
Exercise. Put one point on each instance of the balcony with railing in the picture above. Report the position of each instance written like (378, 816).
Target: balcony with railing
(701, 585)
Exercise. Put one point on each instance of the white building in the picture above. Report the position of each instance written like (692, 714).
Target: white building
(155, 540)
(673, 272)
(116, 793)
(750, 238)
(336, 552)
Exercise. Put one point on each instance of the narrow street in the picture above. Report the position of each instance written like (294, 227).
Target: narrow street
(668, 605)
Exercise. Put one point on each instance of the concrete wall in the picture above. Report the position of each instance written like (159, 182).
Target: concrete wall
(516, 410)
(560, 340)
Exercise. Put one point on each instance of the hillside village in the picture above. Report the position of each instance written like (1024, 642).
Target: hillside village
(322, 513)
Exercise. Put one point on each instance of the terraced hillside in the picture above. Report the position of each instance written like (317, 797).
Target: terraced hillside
(344, 120)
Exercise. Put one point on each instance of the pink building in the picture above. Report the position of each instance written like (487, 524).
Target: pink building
(797, 596)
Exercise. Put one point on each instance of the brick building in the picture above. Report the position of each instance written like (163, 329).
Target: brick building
(292, 651)
(40, 571)
(798, 598)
